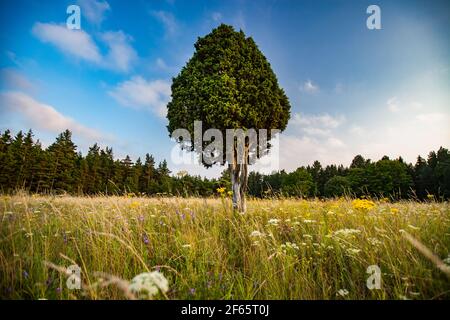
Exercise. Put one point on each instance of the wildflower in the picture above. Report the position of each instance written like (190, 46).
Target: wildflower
(186, 245)
(134, 205)
(145, 239)
(374, 241)
(148, 284)
(25, 274)
(256, 233)
(230, 193)
(273, 222)
(342, 292)
(353, 251)
(363, 204)
(289, 246)
(192, 291)
(309, 221)
(346, 232)
(221, 190)
(394, 210)
(447, 260)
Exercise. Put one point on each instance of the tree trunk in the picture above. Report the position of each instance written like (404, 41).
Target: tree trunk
(239, 180)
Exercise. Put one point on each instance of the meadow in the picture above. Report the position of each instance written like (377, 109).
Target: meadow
(279, 249)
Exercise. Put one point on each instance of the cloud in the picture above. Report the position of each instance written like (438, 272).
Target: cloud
(393, 105)
(216, 16)
(79, 44)
(120, 55)
(94, 10)
(13, 79)
(76, 43)
(168, 20)
(139, 93)
(322, 121)
(309, 87)
(44, 117)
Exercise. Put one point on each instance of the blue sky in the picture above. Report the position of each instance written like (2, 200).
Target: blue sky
(352, 90)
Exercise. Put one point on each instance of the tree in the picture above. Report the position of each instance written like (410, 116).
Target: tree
(227, 84)
(336, 186)
(358, 162)
(298, 183)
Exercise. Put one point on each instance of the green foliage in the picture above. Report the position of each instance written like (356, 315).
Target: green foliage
(227, 84)
(337, 186)
(24, 164)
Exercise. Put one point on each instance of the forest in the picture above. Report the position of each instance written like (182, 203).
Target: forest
(60, 168)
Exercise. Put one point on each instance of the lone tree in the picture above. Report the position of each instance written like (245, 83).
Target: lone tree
(228, 84)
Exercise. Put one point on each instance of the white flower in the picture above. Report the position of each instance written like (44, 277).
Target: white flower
(346, 232)
(256, 233)
(374, 241)
(309, 221)
(186, 245)
(447, 260)
(147, 284)
(354, 251)
(342, 292)
(273, 221)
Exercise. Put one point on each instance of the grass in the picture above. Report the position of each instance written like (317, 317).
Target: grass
(305, 249)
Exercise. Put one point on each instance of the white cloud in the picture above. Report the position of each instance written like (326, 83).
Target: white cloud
(322, 121)
(13, 79)
(94, 10)
(139, 93)
(73, 42)
(393, 105)
(309, 87)
(41, 116)
(216, 16)
(120, 55)
(79, 44)
(168, 20)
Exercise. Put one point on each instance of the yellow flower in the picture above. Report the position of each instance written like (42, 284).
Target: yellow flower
(134, 205)
(230, 193)
(362, 204)
(394, 210)
(221, 190)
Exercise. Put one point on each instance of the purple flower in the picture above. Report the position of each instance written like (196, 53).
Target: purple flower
(157, 268)
(58, 290)
(145, 239)
(192, 291)
(25, 274)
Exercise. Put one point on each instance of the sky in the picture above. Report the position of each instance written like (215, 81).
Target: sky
(352, 90)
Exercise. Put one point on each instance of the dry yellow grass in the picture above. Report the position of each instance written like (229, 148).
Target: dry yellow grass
(280, 249)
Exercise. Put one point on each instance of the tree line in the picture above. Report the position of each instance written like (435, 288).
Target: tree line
(60, 168)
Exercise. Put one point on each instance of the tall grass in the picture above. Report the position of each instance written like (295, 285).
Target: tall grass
(302, 249)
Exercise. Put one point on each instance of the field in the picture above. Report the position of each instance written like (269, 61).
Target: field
(280, 249)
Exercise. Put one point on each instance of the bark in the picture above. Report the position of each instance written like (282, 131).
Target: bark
(239, 178)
